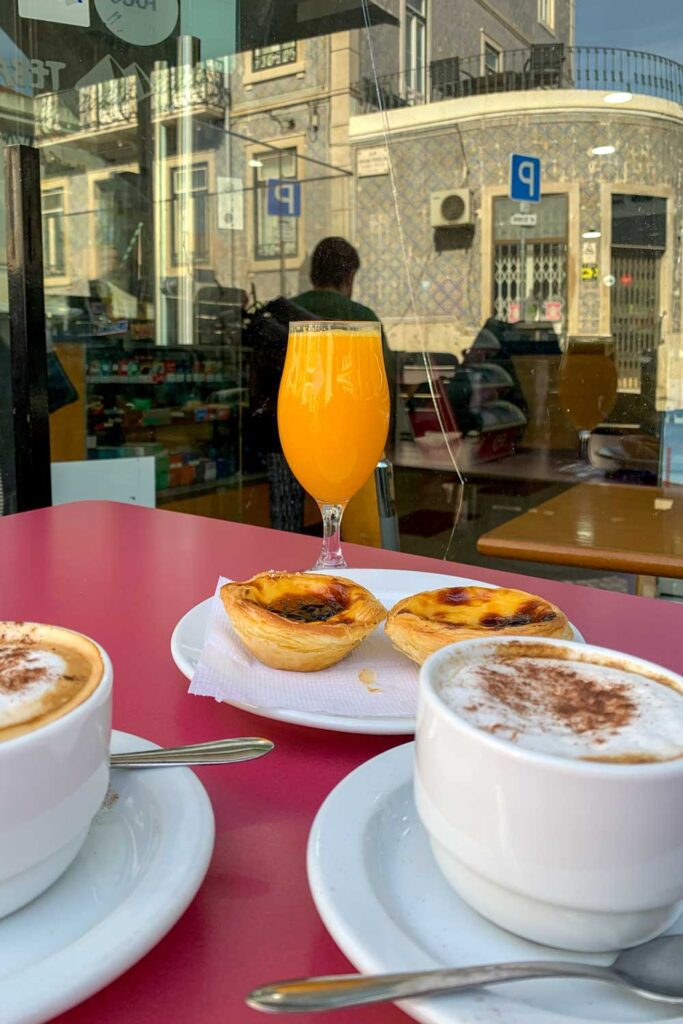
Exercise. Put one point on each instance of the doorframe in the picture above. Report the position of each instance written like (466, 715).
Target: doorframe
(666, 267)
(572, 191)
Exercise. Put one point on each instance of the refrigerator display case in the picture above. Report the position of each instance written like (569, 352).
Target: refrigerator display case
(183, 405)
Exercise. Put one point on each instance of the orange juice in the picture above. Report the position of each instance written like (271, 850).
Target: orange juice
(333, 407)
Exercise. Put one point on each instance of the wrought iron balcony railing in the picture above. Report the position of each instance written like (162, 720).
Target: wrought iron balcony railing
(114, 104)
(108, 104)
(542, 66)
(55, 114)
(175, 89)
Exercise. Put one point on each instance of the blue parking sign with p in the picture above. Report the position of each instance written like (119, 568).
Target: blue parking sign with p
(525, 178)
(284, 197)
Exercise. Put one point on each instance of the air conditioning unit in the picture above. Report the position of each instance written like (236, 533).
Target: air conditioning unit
(451, 209)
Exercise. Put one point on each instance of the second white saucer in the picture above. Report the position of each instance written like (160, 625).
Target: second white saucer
(144, 859)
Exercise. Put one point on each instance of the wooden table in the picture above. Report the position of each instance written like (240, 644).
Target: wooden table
(616, 527)
(126, 575)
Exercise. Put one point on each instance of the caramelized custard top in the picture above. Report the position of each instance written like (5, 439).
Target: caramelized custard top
(481, 607)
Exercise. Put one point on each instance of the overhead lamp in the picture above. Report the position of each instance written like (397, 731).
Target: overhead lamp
(603, 150)
(592, 234)
(618, 97)
(255, 163)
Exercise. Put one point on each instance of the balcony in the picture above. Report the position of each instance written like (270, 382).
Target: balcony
(55, 115)
(105, 106)
(113, 105)
(542, 66)
(199, 89)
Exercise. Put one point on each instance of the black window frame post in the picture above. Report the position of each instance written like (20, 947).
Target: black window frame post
(28, 355)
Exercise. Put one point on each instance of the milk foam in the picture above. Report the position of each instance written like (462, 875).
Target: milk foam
(48, 667)
(568, 709)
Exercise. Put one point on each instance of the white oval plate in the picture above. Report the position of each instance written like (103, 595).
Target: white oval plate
(388, 586)
(386, 904)
(144, 859)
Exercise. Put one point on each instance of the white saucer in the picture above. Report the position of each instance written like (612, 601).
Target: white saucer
(388, 586)
(145, 857)
(388, 908)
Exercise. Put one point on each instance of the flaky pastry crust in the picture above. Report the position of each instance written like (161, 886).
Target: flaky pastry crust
(426, 622)
(302, 622)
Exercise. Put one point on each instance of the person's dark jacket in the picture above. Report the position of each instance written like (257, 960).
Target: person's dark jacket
(265, 332)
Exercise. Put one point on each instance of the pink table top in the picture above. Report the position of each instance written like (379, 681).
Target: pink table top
(125, 576)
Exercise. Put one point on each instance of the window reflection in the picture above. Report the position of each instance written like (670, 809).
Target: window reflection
(53, 231)
(276, 232)
(186, 182)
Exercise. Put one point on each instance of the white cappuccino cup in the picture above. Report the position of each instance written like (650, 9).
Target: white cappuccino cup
(550, 783)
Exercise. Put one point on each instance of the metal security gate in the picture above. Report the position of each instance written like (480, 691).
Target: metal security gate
(636, 323)
(527, 276)
(507, 279)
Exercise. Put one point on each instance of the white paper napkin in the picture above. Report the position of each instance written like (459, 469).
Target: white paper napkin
(375, 681)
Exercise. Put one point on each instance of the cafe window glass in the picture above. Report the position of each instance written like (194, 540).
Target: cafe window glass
(266, 57)
(546, 13)
(530, 261)
(53, 231)
(415, 47)
(192, 188)
(276, 235)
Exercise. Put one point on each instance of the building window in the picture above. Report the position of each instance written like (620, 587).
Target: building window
(415, 55)
(275, 235)
(546, 13)
(191, 188)
(266, 57)
(53, 231)
(119, 219)
(530, 262)
(492, 58)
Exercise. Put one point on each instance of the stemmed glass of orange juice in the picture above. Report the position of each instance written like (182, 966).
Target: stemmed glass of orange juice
(333, 416)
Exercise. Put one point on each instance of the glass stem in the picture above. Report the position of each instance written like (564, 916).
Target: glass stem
(331, 556)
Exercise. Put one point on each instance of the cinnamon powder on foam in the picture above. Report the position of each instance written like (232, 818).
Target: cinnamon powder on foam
(546, 700)
(563, 695)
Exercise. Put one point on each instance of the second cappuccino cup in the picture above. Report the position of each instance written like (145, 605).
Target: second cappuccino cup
(55, 727)
(561, 849)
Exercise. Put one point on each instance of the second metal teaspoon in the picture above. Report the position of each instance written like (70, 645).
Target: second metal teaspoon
(245, 748)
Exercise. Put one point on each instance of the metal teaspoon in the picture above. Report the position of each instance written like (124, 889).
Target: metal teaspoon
(245, 748)
(654, 970)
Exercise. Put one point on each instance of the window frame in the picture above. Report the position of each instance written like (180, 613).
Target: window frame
(414, 79)
(51, 188)
(570, 188)
(488, 43)
(631, 187)
(274, 46)
(204, 256)
(546, 14)
(260, 192)
(297, 68)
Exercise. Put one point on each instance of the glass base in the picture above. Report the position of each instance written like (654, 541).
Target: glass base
(331, 556)
(330, 563)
